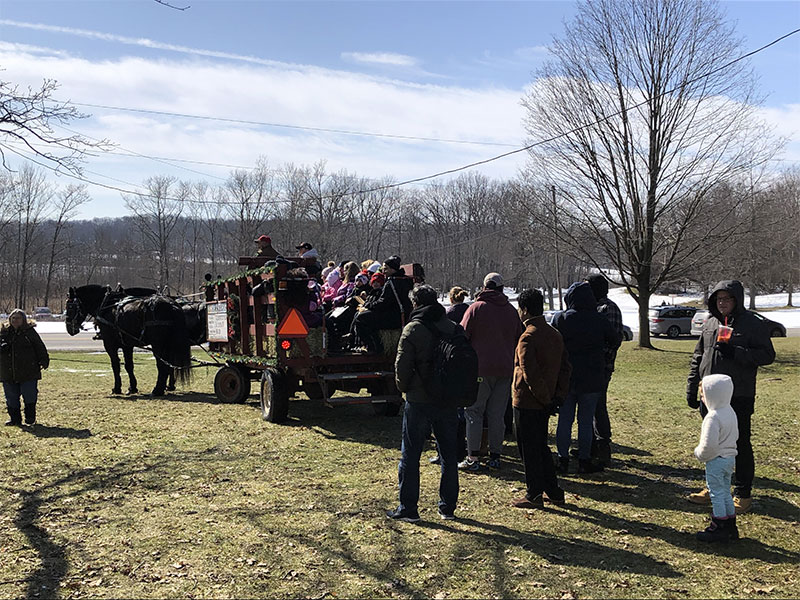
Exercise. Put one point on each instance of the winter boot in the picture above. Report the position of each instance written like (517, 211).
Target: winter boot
(703, 497)
(16, 416)
(733, 531)
(30, 414)
(716, 532)
(587, 467)
(601, 452)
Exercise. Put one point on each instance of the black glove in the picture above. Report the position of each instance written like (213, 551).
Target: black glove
(692, 401)
(725, 349)
(555, 405)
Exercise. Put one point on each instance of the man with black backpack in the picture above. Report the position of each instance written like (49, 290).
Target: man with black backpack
(436, 369)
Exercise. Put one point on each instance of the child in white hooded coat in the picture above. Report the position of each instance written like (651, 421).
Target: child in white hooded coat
(717, 448)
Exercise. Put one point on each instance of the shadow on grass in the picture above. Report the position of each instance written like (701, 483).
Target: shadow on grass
(659, 493)
(50, 431)
(573, 552)
(744, 548)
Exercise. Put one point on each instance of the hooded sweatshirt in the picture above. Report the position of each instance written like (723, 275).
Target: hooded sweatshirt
(493, 328)
(720, 426)
(587, 334)
(750, 340)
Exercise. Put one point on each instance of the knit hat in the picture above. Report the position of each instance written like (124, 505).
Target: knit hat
(379, 277)
(362, 279)
(492, 281)
(374, 267)
(393, 262)
(264, 238)
(333, 277)
(717, 391)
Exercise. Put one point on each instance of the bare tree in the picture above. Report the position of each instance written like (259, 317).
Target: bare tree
(64, 209)
(156, 213)
(635, 124)
(27, 118)
(250, 200)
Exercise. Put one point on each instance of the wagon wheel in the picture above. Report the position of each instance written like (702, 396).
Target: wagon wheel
(673, 332)
(384, 388)
(274, 396)
(232, 384)
(776, 333)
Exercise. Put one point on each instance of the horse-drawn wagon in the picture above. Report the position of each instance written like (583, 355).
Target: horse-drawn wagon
(257, 328)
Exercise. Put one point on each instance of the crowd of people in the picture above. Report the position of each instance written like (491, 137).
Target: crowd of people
(561, 369)
(538, 369)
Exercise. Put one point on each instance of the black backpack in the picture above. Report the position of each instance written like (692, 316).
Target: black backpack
(453, 379)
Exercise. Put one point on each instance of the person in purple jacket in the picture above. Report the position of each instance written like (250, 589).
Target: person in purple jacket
(493, 326)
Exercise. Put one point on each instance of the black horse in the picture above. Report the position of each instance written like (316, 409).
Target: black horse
(127, 321)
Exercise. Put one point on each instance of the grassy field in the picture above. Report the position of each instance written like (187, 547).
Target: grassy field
(185, 497)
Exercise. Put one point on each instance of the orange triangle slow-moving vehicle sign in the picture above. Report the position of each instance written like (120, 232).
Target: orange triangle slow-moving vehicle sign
(293, 325)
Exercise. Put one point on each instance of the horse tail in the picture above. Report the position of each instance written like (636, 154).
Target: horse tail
(179, 350)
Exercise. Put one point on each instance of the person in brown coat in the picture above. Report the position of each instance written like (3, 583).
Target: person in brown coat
(541, 381)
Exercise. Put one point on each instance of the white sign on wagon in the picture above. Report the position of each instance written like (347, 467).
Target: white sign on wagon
(217, 321)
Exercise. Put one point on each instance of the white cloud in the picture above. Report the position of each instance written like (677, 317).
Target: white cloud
(531, 53)
(276, 93)
(380, 58)
(143, 42)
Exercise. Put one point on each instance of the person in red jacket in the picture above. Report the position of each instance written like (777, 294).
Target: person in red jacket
(493, 328)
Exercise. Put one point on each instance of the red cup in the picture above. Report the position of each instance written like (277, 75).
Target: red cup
(724, 334)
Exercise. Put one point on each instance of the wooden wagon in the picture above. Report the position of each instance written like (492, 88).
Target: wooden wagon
(257, 330)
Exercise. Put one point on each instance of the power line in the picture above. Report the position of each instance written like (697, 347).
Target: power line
(448, 171)
(285, 126)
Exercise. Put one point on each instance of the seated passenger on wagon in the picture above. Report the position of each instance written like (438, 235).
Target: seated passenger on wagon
(264, 244)
(340, 318)
(390, 311)
(304, 296)
(348, 284)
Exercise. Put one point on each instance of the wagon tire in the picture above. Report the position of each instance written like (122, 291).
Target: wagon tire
(274, 396)
(776, 333)
(231, 385)
(673, 332)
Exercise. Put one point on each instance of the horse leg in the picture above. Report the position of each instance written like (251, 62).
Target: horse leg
(127, 353)
(171, 380)
(114, 357)
(161, 381)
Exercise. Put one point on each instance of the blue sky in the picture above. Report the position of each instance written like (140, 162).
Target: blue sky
(452, 70)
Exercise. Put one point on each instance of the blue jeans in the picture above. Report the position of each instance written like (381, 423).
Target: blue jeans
(586, 404)
(29, 390)
(718, 478)
(418, 419)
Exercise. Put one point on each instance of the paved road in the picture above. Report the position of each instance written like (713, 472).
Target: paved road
(63, 341)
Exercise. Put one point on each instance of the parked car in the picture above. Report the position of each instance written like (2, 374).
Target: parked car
(42, 313)
(775, 329)
(670, 320)
(627, 332)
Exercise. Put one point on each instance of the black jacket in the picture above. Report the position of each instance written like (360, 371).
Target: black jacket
(23, 354)
(396, 288)
(415, 351)
(751, 343)
(456, 312)
(586, 334)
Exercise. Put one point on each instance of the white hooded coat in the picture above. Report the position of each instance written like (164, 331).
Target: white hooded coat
(720, 427)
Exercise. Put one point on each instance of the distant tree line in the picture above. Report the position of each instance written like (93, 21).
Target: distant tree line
(459, 230)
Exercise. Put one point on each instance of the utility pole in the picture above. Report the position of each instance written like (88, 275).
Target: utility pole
(555, 246)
